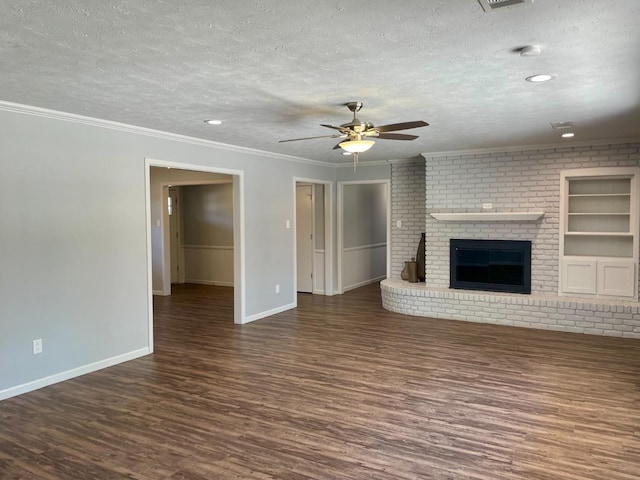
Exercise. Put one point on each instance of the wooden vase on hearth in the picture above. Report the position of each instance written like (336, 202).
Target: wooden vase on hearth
(410, 271)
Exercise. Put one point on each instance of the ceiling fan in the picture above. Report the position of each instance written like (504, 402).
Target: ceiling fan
(356, 133)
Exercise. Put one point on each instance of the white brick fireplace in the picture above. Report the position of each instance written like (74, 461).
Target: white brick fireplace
(516, 181)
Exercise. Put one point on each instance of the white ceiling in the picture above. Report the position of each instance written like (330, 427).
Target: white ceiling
(275, 70)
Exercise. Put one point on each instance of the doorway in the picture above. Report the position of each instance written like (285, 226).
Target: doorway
(313, 252)
(363, 233)
(173, 209)
(304, 237)
(159, 249)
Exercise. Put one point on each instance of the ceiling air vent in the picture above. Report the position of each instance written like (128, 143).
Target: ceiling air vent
(561, 125)
(491, 5)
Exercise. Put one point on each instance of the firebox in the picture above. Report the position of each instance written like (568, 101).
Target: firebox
(491, 265)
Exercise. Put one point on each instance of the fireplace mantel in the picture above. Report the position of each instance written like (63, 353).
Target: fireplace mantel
(487, 216)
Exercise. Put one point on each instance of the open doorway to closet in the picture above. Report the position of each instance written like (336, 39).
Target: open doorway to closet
(313, 252)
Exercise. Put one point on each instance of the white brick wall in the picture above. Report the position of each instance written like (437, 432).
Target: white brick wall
(515, 181)
(408, 206)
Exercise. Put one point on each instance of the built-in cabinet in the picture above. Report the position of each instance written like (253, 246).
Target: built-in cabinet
(599, 232)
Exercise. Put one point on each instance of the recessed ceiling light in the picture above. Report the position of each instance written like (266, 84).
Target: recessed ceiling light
(213, 122)
(568, 135)
(542, 77)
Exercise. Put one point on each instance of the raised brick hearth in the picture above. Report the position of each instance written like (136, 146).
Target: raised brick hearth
(570, 314)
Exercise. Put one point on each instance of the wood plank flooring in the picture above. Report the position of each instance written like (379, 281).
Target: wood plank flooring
(336, 389)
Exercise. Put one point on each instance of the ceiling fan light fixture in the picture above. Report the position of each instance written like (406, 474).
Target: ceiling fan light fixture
(357, 146)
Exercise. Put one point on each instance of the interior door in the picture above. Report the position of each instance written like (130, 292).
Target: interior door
(174, 234)
(304, 237)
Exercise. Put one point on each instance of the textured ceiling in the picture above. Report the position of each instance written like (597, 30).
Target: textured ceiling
(275, 70)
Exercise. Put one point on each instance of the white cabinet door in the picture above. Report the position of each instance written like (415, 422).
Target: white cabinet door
(616, 277)
(579, 276)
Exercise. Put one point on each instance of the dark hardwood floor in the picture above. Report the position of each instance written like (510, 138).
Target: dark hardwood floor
(336, 389)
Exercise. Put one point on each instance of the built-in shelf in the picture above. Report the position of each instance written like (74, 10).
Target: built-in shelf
(599, 234)
(599, 195)
(608, 214)
(488, 216)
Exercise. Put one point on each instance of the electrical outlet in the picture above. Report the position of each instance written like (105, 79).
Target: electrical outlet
(37, 346)
(287, 224)
(277, 288)
(487, 206)
(399, 224)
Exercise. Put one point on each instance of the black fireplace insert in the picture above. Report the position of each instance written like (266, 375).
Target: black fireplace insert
(491, 265)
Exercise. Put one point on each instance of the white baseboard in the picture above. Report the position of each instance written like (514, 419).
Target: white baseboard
(69, 374)
(362, 284)
(318, 292)
(268, 313)
(158, 292)
(209, 282)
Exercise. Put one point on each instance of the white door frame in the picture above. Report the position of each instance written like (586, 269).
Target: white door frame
(238, 234)
(340, 227)
(328, 235)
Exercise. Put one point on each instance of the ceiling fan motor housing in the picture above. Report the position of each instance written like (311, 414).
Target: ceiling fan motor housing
(354, 106)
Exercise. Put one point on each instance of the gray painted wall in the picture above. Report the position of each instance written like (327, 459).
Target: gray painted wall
(365, 214)
(207, 214)
(207, 240)
(74, 260)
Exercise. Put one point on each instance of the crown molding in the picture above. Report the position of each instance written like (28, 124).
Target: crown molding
(149, 132)
(417, 158)
(528, 148)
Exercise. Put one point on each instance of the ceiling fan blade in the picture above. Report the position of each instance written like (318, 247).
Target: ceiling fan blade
(342, 129)
(401, 126)
(309, 138)
(397, 136)
(337, 147)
